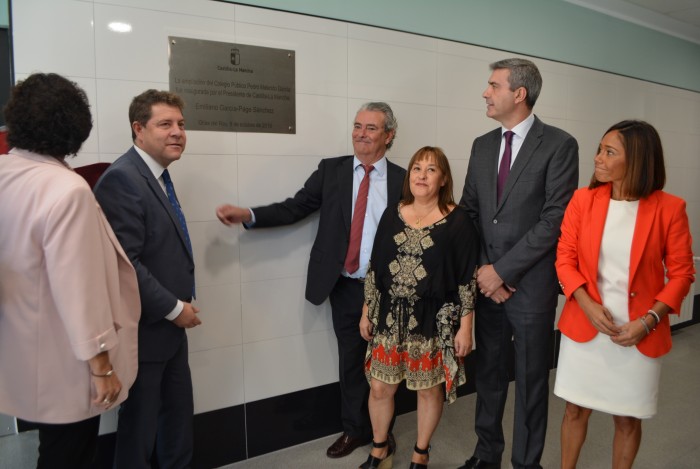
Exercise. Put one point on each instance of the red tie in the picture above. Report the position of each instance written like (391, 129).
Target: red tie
(504, 168)
(352, 259)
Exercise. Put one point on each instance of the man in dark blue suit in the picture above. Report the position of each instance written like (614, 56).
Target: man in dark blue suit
(333, 190)
(138, 198)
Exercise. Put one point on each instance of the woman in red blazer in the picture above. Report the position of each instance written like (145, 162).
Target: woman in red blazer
(621, 239)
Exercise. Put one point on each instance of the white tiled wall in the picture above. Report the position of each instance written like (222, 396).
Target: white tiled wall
(259, 336)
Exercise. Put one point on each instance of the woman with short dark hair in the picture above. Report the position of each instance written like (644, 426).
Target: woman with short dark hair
(621, 239)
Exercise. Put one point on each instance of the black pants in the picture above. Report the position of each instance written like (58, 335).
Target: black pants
(68, 445)
(347, 299)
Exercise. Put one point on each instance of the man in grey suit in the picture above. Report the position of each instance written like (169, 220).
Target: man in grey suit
(519, 181)
(138, 198)
(333, 190)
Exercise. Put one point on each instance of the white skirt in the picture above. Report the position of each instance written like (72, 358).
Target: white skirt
(604, 376)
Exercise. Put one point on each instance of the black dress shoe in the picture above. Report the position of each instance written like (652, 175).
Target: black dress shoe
(344, 445)
(476, 463)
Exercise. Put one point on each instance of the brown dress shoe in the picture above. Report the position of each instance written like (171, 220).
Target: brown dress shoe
(344, 445)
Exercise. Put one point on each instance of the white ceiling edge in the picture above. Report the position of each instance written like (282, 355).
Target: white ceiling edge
(642, 17)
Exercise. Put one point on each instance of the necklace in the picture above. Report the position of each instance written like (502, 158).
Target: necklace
(422, 217)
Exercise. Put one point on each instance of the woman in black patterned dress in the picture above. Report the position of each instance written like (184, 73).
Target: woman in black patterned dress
(419, 294)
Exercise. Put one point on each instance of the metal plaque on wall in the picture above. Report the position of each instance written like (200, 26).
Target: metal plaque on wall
(233, 87)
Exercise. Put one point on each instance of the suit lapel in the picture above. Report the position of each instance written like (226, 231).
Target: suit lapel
(345, 175)
(394, 181)
(596, 223)
(642, 228)
(160, 195)
(533, 139)
(491, 169)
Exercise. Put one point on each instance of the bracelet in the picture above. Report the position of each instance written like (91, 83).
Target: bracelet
(646, 328)
(106, 375)
(656, 317)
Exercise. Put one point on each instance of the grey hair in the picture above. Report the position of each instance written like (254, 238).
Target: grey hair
(390, 122)
(522, 73)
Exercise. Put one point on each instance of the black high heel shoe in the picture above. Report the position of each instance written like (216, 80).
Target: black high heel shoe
(426, 451)
(376, 463)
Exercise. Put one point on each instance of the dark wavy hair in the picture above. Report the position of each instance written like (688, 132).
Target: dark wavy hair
(644, 157)
(141, 108)
(445, 197)
(48, 114)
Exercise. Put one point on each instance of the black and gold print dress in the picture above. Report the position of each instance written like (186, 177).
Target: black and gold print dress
(419, 284)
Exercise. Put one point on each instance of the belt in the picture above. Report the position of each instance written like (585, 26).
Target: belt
(358, 280)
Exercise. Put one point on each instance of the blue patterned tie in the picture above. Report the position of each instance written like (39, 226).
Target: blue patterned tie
(170, 190)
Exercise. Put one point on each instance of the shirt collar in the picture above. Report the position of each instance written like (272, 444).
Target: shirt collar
(379, 166)
(522, 128)
(152, 164)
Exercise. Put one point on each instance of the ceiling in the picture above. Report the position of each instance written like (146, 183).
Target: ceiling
(680, 18)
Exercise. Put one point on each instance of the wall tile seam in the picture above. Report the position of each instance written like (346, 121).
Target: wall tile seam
(197, 13)
(278, 338)
(307, 31)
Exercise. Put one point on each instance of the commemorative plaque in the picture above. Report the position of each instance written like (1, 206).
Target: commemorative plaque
(233, 87)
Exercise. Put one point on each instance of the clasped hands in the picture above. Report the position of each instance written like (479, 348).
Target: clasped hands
(492, 286)
(625, 335)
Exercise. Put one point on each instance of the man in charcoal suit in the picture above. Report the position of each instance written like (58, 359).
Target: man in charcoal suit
(519, 181)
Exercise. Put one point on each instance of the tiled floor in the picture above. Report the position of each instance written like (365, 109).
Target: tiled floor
(671, 440)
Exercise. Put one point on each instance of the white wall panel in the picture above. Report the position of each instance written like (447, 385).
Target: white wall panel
(200, 189)
(43, 44)
(276, 308)
(281, 366)
(111, 113)
(672, 110)
(257, 185)
(217, 377)
(220, 313)
(272, 253)
(454, 136)
(591, 97)
(215, 253)
(384, 37)
(383, 72)
(552, 104)
(458, 81)
(142, 54)
(197, 8)
(284, 20)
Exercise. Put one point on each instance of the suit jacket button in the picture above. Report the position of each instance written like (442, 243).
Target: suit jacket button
(495, 222)
(633, 294)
